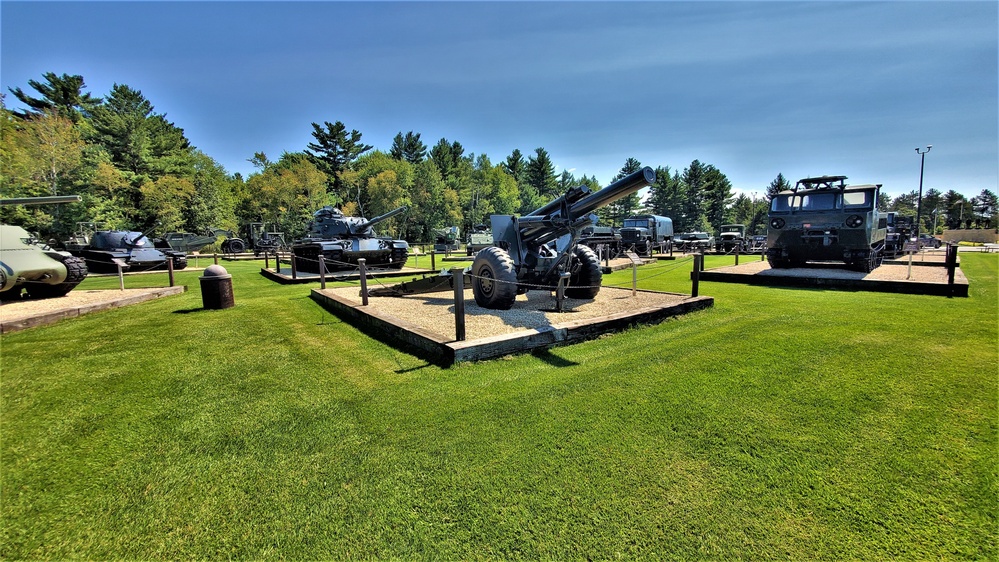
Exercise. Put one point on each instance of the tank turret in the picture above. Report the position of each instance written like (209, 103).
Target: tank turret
(343, 240)
(134, 251)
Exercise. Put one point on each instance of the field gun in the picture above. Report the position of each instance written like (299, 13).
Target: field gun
(539, 250)
(341, 241)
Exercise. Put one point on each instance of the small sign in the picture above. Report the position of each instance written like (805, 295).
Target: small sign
(634, 258)
(911, 247)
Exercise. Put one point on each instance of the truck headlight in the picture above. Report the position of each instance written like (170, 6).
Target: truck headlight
(854, 221)
(777, 223)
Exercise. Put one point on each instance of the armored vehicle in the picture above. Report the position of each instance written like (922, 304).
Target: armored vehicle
(446, 239)
(27, 264)
(689, 242)
(344, 240)
(731, 238)
(646, 232)
(596, 236)
(480, 238)
(134, 251)
(823, 219)
(184, 241)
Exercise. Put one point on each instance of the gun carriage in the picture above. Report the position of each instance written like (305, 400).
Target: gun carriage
(539, 250)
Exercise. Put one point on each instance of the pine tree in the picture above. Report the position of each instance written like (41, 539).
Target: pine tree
(334, 151)
(779, 184)
(62, 95)
(409, 148)
(540, 174)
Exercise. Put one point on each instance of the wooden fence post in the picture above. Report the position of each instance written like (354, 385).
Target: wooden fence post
(458, 277)
(170, 269)
(322, 272)
(695, 276)
(364, 281)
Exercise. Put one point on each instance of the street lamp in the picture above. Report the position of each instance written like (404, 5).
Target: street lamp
(919, 202)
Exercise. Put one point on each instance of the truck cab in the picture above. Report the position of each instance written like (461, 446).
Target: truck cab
(646, 232)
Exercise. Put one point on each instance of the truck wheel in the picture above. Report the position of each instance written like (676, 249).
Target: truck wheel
(494, 279)
(585, 281)
(236, 246)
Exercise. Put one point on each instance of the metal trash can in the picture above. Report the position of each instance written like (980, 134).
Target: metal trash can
(216, 288)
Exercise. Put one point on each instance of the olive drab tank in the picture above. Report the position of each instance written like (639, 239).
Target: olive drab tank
(29, 265)
(343, 240)
(133, 251)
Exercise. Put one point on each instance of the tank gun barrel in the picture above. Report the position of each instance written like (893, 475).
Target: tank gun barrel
(135, 240)
(365, 225)
(44, 200)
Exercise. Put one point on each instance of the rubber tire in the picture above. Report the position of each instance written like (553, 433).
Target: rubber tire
(585, 283)
(236, 246)
(494, 281)
(76, 272)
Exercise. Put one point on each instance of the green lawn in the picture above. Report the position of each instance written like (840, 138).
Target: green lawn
(781, 423)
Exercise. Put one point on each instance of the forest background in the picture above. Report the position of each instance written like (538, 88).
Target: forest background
(135, 170)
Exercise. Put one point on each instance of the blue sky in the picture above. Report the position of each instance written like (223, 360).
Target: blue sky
(754, 88)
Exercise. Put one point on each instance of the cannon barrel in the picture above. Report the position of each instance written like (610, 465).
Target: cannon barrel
(41, 200)
(135, 241)
(364, 225)
(547, 223)
(621, 188)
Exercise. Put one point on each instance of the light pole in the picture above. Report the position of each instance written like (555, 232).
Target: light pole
(919, 202)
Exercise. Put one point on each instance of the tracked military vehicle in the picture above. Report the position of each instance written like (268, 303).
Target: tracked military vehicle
(344, 240)
(133, 251)
(823, 219)
(29, 265)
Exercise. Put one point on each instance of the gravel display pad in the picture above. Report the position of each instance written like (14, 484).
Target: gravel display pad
(26, 313)
(426, 322)
(889, 278)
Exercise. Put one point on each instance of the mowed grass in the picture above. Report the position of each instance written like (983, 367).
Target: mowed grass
(781, 423)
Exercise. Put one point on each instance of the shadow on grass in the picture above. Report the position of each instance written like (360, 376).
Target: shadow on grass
(554, 360)
(190, 310)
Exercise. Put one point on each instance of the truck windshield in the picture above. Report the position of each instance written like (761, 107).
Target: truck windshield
(858, 199)
(643, 223)
(808, 202)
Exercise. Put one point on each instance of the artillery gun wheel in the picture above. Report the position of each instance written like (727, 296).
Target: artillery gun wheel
(494, 281)
(584, 283)
(76, 271)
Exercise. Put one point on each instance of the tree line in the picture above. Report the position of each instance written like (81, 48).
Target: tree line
(134, 169)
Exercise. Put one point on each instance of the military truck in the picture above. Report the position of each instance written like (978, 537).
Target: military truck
(824, 219)
(690, 242)
(644, 233)
(899, 229)
(731, 238)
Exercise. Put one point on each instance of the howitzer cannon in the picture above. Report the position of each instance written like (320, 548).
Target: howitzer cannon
(25, 263)
(341, 241)
(539, 250)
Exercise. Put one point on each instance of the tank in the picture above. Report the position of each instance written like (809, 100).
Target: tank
(823, 219)
(33, 267)
(133, 250)
(344, 240)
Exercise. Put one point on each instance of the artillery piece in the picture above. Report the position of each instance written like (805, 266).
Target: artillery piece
(27, 264)
(341, 241)
(133, 251)
(539, 250)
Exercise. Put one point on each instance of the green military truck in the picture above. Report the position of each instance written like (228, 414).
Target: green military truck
(823, 219)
